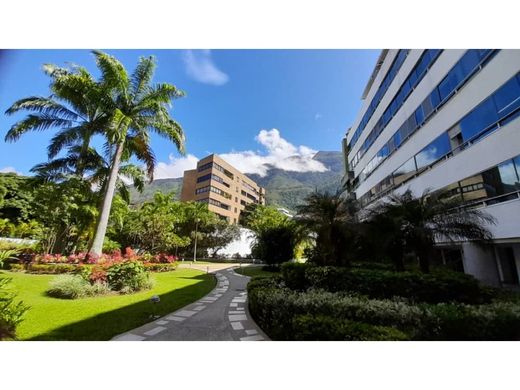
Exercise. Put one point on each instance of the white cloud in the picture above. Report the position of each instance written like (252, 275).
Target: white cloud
(279, 153)
(9, 170)
(175, 167)
(317, 116)
(200, 66)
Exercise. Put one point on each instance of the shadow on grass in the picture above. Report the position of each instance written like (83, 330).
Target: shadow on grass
(106, 325)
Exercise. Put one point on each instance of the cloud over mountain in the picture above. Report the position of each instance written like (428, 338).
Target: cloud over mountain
(277, 153)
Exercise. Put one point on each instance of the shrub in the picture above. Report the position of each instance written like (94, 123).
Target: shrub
(497, 321)
(13, 267)
(275, 307)
(11, 312)
(294, 275)
(75, 286)
(419, 287)
(69, 287)
(160, 267)
(327, 328)
(128, 276)
(52, 268)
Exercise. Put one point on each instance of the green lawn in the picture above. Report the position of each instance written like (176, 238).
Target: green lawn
(255, 271)
(101, 318)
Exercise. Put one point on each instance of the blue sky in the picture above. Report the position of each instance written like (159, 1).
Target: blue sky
(235, 99)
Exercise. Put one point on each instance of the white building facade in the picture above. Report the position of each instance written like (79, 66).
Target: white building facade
(445, 120)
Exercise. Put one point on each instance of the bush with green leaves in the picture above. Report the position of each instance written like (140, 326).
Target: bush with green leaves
(11, 312)
(328, 328)
(275, 245)
(75, 286)
(278, 311)
(128, 276)
(431, 288)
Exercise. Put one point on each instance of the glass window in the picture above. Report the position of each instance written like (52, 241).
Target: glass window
(435, 98)
(473, 188)
(427, 107)
(507, 98)
(397, 139)
(434, 151)
(405, 89)
(404, 172)
(517, 164)
(446, 87)
(412, 124)
(508, 177)
(469, 61)
(480, 118)
(423, 64)
(419, 116)
(412, 79)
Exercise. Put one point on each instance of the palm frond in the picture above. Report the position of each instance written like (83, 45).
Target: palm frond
(113, 73)
(35, 122)
(142, 76)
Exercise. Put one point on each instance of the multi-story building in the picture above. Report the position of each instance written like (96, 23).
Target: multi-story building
(445, 120)
(225, 189)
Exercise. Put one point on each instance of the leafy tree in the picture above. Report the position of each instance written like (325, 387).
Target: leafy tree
(16, 197)
(276, 244)
(259, 217)
(414, 223)
(135, 109)
(330, 219)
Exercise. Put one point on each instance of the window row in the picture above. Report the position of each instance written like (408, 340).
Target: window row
(218, 204)
(468, 65)
(204, 167)
(213, 189)
(223, 170)
(212, 177)
(496, 110)
(415, 76)
(249, 187)
(383, 87)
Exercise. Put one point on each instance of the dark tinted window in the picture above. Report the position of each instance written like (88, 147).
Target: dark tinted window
(435, 98)
(419, 115)
(435, 150)
(445, 87)
(507, 98)
(480, 118)
(404, 171)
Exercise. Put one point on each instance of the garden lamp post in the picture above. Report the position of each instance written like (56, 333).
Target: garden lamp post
(196, 234)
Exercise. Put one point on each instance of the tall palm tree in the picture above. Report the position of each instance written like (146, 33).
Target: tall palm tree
(417, 222)
(331, 218)
(136, 109)
(75, 108)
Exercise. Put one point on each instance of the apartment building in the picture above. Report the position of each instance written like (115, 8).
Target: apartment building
(445, 120)
(225, 189)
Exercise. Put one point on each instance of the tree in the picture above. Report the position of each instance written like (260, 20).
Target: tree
(331, 220)
(276, 244)
(417, 222)
(75, 108)
(259, 217)
(136, 108)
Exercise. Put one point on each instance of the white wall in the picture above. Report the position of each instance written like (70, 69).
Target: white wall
(480, 263)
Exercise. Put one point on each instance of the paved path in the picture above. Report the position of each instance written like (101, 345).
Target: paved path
(221, 315)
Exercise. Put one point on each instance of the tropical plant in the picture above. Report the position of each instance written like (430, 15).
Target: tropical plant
(416, 223)
(75, 108)
(8, 254)
(135, 109)
(331, 220)
(11, 312)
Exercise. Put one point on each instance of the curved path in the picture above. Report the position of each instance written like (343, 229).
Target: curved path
(221, 315)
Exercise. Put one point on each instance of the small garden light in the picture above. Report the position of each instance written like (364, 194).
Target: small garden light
(155, 300)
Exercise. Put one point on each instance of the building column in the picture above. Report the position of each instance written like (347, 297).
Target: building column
(480, 263)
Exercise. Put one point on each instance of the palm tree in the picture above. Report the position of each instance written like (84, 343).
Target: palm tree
(74, 108)
(136, 109)
(331, 218)
(417, 223)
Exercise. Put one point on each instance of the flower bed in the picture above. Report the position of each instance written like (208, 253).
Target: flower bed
(80, 262)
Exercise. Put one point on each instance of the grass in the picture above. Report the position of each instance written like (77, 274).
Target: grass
(256, 271)
(101, 318)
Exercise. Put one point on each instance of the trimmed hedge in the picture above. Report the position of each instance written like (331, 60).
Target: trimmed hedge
(53, 268)
(327, 328)
(419, 287)
(278, 311)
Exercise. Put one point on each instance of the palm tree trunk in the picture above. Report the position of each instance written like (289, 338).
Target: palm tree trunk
(96, 247)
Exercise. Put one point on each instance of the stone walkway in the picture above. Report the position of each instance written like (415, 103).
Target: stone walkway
(222, 315)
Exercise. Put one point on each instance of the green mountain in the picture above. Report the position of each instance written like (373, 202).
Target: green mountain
(284, 189)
